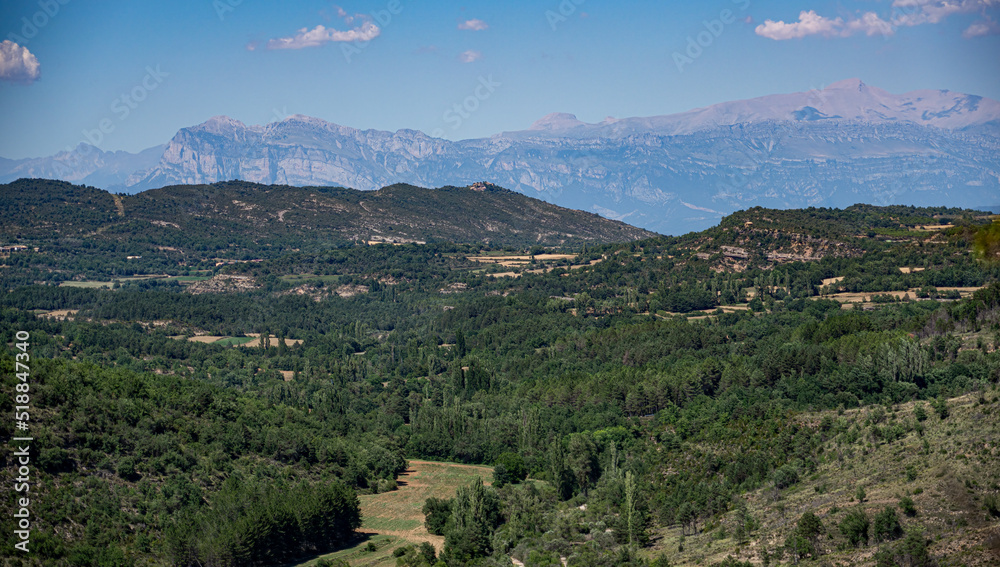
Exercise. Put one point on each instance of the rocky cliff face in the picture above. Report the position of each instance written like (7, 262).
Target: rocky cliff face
(846, 144)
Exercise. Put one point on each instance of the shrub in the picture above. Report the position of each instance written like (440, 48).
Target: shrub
(887, 526)
(437, 512)
(785, 477)
(428, 551)
(55, 460)
(855, 526)
(906, 505)
(941, 407)
(992, 504)
(809, 526)
(509, 469)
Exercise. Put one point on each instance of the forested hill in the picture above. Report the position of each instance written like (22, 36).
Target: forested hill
(802, 386)
(251, 214)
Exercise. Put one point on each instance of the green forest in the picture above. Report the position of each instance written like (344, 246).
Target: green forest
(813, 386)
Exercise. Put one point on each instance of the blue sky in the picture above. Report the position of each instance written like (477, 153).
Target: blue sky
(128, 75)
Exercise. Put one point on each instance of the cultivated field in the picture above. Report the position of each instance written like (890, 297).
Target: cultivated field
(393, 519)
(520, 261)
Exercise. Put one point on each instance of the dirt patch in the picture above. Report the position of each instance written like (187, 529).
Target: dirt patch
(59, 314)
(224, 283)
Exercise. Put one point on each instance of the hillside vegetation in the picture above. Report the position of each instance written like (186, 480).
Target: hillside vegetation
(236, 217)
(826, 394)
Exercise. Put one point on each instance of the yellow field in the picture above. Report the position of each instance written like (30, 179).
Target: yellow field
(58, 314)
(393, 519)
(852, 297)
(520, 258)
(255, 342)
(274, 341)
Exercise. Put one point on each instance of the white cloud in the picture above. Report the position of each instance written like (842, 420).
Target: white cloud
(474, 25)
(17, 64)
(810, 23)
(869, 24)
(983, 27)
(905, 13)
(320, 34)
(470, 56)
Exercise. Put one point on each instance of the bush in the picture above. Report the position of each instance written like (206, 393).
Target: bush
(992, 504)
(941, 407)
(428, 551)
(785, 476)
(126, 468)
(809, 526)
(437, 512)
(912, 552)
(887, 526)
(55, 460)
(906, 505)
(855, 526)
(509, 469)
(799, 547)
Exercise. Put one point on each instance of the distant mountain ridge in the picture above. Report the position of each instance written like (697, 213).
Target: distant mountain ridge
(848, 100)
(845, 144)
(239, 211)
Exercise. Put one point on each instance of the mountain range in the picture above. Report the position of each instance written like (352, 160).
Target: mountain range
(847, 143)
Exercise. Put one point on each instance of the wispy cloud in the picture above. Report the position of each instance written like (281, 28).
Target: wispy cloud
(320, 34)
(905, 13)
(473, 25)
(986, 26)
(17, 64)
(470, 56)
